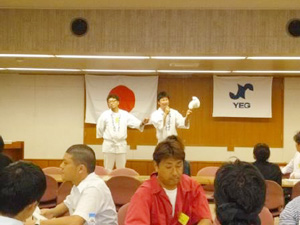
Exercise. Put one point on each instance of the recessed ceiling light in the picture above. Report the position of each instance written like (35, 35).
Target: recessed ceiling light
(193, 71)
(199, 57)
(101, 57)
(119, 71)
(27, 55)
(45, 69)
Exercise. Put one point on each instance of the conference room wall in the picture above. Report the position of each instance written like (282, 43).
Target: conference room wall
(149, 32)
(46, 112)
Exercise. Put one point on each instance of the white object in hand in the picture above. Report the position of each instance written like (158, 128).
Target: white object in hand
(194, 103)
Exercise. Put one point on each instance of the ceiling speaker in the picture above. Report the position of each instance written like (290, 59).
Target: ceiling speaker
(79, 26)
(293, 27)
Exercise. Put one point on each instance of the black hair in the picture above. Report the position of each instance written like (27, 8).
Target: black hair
(21, 184)
(112, 96)
(261, 152)
(239, 194)
(297, 138)
(161, 95)
(168, 149)
(83, 154)
(1, 144)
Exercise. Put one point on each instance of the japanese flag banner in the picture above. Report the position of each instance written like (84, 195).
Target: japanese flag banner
(137, 95)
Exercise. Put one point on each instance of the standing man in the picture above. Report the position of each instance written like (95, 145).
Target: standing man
(169, 197)
(22, 185)
(89, 195)
(293, 167)
(112, 126)
(166, 119)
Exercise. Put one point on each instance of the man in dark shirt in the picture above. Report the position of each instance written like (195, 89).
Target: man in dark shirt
(4, 160)
(270, 171)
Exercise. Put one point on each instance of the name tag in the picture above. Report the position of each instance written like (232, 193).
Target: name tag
(183, 218)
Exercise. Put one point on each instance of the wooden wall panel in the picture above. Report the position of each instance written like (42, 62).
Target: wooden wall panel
(206, 130)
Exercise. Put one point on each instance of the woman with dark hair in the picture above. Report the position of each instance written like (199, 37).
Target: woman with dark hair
(4, 160)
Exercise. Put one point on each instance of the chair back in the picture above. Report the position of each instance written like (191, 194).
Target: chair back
(122, 189)
(52, 170)
(274, 197)
(101, 171)
(122, 213)
(49, 198)
(124, 172)
(209, 188)
(63, 191)
(296, 190)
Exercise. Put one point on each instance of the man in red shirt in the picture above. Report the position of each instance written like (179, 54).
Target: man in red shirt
(169, 197)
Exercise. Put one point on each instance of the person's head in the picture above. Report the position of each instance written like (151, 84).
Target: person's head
(261, 152)
(1, 144)
(22, 184)
(239, 194)
(168, 160)
(163, 99)
(297, 140)
(79, 161)
(112, 101)
(176, 138)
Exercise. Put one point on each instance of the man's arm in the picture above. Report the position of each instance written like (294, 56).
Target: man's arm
(100, 127)
(55, 212)
(66, 220)
(187, 117)
(205, 222)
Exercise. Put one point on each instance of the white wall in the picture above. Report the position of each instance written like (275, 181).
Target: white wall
(47, 113)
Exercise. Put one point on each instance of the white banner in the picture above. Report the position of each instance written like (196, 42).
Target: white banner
(242, 97)
(137, 95)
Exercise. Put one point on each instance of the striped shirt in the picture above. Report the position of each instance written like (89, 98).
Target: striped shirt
(291, 213)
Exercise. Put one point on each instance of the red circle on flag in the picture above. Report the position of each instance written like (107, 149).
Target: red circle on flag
(126, 96)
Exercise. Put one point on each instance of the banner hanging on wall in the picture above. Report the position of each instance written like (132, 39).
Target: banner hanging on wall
(242, 97)
(137, 95)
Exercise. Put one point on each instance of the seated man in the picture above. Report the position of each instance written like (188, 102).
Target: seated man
(4, 160)
(89, 195)
(240, 192)
(270, 171)
(169, 197)
(21, 187)
(291, 213)
(293, 166)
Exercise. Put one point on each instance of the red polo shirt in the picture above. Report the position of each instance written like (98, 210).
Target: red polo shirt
(151, 205)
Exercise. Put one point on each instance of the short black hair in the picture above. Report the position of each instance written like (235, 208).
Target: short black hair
(239, 194)
(1, 144)
(261, 152)
(297, 137)
(162, 94)
(168, 149)
(83, 154)
(176, 138)
(21, 184)
(112, 96)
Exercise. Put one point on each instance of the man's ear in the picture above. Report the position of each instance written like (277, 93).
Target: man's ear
(155, 166)
(82, 168)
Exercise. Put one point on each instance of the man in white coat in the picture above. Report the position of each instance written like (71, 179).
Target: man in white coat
(112, 127)
(166, 119)
(293, 167)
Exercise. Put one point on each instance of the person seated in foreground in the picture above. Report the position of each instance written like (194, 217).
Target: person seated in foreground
(4, 160)
(89, 195)
(169, 197)
(293, 166)
(270, 171)
(240, 192)
(291, 213)
(22, 185)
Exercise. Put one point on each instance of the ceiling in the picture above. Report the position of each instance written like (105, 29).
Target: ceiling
(152, 4)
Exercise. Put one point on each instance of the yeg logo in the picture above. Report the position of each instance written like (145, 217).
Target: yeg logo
(241, 94)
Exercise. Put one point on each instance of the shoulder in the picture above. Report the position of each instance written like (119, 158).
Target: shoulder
(188, 183)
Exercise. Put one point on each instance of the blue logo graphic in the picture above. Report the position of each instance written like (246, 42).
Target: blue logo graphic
(241, 91)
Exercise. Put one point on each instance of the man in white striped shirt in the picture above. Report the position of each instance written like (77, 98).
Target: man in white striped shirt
(291, 213)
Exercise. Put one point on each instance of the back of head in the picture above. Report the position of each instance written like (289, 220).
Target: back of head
(168, 149)
(297, 137)
(83, 154)
(261, 152)
(161, 95)
(239, 194)
(1, 144)
(21, 183)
